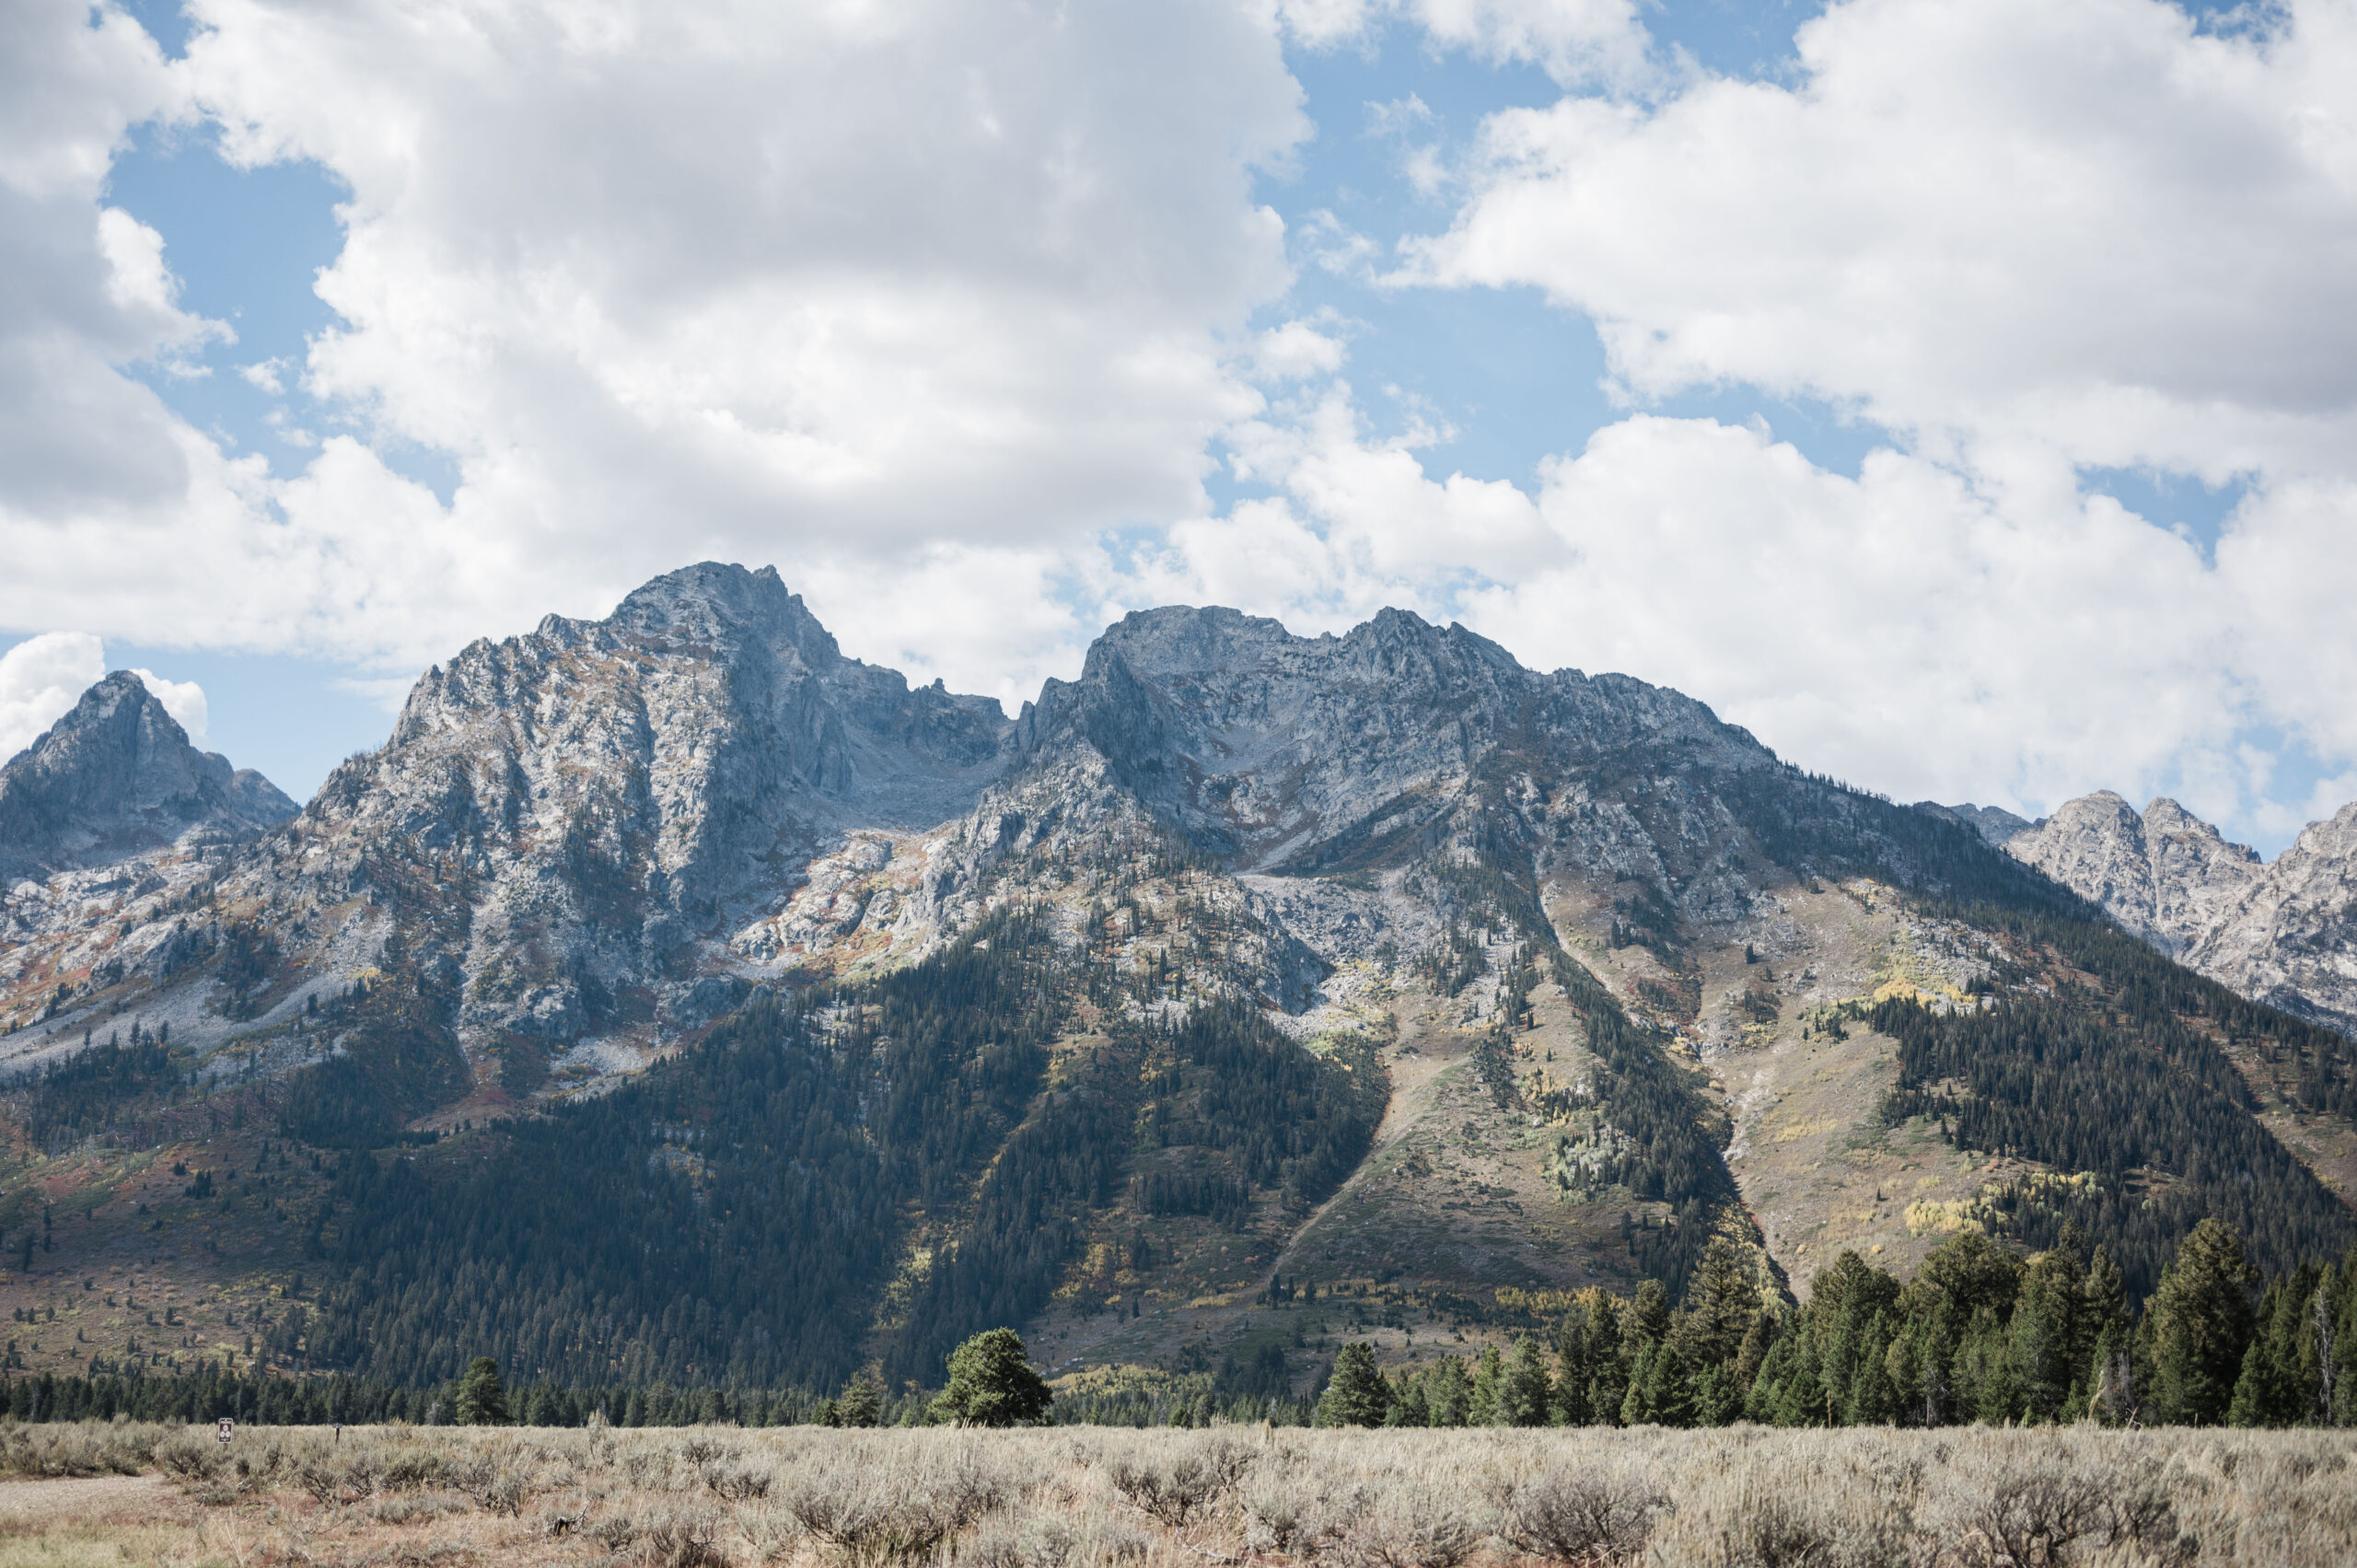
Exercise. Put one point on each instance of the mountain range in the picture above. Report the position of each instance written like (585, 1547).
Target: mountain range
(675, 997)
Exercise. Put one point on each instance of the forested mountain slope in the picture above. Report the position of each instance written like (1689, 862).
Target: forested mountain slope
(674, 998)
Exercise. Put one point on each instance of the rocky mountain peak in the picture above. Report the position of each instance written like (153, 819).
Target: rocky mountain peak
(2163, 873)
(2283, 934)
(116, 775)
(715, 605)
(1272, 751)
(1994, 823)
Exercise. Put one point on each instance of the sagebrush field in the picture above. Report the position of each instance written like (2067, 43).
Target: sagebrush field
(1083, 1497)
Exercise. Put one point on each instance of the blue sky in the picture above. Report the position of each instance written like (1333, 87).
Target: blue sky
(1500, 404)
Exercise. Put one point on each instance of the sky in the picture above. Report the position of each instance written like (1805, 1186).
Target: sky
(1961, 398)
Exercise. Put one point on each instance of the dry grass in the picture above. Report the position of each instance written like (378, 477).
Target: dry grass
(1103, 1498)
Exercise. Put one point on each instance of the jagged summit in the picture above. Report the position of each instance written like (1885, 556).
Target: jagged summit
(2283, 933)
(116, 775)
(1277, 750)
(712, 603)
(2163, 874)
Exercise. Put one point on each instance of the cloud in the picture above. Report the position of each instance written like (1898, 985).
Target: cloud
(2091, 231)
(1899, 628)
(1575, 42)
(2026, 240)
(832, 286)
(41, 680)
(779, 283)
(86, 291)
(1911, 627)
(184, 699)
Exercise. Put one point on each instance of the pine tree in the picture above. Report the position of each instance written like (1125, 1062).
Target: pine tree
(2045, 1334)
(993, 1382)
(1448, 1393)
(1356, 1394)
(1873, 1401)
(1489, 1379)
(2261, 1393)
(2201, 1325)
(1527, 1394)
(1608, 1362)
(861, 1402)
(1903, 1364)
(482, 1398)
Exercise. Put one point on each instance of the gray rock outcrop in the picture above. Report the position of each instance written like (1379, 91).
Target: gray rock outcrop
(2283, 934)
(602, 796)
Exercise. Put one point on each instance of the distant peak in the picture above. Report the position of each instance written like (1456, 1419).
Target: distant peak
(115, 695)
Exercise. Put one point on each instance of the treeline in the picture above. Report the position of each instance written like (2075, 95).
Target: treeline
(1979, 1334)
(398, 1057)
(210, 1393)
(1674, 1132)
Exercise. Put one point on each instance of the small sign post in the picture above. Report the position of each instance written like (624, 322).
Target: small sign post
(225, 1430)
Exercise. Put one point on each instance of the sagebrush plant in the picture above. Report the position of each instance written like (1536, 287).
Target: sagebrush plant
(1101, 1497)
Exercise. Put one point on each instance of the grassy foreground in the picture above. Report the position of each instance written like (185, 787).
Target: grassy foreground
(1083, 1497)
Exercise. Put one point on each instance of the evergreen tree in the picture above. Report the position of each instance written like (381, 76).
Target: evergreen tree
(993, 1382)
(1489, 1380)
(2263, 1396)
(1753, 1352)
(1903, 1365)
(861, 1402)
(1526, 1394)
(1448, 1393)
(482, 1398)
(1356, 1394)
(1874, 1399)
(2045, 1335)
(2200, 1327)
(1723, 1303)
(1606, 1361)
(1660, 1390)
(1649, 1313)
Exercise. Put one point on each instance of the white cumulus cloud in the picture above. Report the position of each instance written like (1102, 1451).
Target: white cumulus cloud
(949, 310)
(840, 287)
(2089, 227)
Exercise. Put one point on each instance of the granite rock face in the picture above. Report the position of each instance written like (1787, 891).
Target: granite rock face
(116, 776)
(2165, 875)
(601, 794)
(2290, 936)
(2283, 934)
